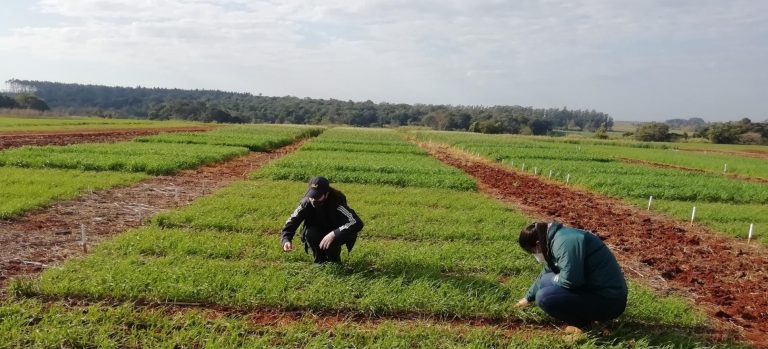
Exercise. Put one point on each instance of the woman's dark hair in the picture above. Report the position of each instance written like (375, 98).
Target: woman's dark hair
(533, 238)
(336, 197)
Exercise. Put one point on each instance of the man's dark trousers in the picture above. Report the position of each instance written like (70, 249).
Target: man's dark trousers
(313, 235)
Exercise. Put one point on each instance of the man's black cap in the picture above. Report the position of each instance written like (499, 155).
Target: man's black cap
(318, 186)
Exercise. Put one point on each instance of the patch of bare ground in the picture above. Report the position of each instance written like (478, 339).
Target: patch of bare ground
(36, 138)
(727, 278)
(690, 169)
(750, 153)
(43, 237)
(324, 319)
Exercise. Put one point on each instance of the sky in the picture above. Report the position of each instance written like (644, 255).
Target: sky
(636, 60)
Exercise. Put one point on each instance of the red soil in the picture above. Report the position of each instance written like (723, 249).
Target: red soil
(750, 153)
(725, 277)
(18, 139)
(43, 237)
(689, 169)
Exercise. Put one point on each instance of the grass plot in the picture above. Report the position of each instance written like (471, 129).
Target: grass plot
(253, 137)
(151, 158)
(24, 189)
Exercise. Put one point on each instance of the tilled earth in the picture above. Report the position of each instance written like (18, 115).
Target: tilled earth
(689, 169)
(43, 237)
(18, 139)
(727, 278)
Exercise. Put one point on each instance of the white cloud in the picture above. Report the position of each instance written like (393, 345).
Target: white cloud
(588, 53)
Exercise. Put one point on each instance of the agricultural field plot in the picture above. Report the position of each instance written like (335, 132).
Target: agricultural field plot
(253, 137)
(11, 124)
(26, 189)
(739, 203)
(387, 275)
(151, 158)
(378, 157)
(437, 265)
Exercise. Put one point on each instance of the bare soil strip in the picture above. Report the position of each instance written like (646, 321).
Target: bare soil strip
(727, 278)
(328, 319)
(43, 237)
(689, 169)
(36, 138)
(746, 153)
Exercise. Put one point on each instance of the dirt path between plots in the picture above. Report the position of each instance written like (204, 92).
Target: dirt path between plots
(36, 138)
(43, 237)
(690, 169)
(746, 153)
(727, 278)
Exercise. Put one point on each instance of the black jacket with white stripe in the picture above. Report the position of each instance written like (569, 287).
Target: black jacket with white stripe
(333, 215)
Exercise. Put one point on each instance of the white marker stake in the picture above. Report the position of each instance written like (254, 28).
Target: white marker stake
(550, 174)
(83, 238)
(649, 202)
(535, 171)
(693, 214)
(523, 168)
(568, 178)
(725, 167)
(513, 163)
(749, 236)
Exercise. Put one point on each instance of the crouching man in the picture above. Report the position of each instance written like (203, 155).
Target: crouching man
(328, 221)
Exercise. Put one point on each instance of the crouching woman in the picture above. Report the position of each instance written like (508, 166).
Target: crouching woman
(581, 282)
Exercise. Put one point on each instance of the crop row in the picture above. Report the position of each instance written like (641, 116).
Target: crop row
(34, 324)
(25, 189)
(154, 159)
(378, 157)
(253, 137)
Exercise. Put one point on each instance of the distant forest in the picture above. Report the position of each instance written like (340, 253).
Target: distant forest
(233, 107)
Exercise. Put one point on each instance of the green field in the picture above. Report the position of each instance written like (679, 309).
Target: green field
(253, 137)
(32, 177)
(393, 162)
(724, 204)
(434, 254)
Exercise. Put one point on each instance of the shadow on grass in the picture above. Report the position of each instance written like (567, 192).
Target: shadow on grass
(630, 333)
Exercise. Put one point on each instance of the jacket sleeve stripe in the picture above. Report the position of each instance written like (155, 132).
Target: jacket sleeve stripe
(351, 218)
(294, 215)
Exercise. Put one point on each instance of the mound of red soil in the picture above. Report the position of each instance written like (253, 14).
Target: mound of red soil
(728, 278)
(18, 139)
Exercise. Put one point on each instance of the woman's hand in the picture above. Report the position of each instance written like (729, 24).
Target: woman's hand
(287, 246)
(522, 303)
(327, 240)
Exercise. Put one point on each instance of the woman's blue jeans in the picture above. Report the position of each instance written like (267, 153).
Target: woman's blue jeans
(576, 307)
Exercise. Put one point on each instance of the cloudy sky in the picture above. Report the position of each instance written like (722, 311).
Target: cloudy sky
(637, 60)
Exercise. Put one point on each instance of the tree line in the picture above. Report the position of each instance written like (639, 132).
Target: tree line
(743, 131)
(235, 107)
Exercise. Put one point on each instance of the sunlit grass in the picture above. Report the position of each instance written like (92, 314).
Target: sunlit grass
(24, 189)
